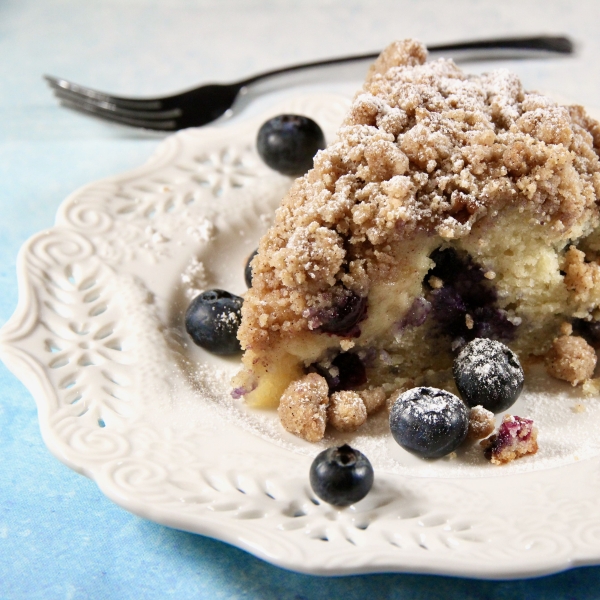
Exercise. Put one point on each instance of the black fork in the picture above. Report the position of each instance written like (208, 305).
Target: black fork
(201, 105)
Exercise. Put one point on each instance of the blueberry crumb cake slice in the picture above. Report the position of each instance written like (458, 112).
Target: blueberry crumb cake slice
(450, 207)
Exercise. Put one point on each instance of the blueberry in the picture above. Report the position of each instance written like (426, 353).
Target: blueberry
(344, 316)
(416, 315)
(212, 320)
(288, 143)
(429, 422)
(341, 476)
(488, 373)
(466, 291)
(248, 269)
(347, 372)
(448, 264)
(588, 330)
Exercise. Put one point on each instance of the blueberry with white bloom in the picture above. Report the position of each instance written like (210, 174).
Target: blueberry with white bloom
(489, 374)
(213, 319)
(429, 422)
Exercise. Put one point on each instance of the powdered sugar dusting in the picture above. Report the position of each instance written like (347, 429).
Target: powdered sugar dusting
(194, 278)
(425, 148)
(564, 436)
(481, 358)
(423, 402)
(201, 395)
(202, 230)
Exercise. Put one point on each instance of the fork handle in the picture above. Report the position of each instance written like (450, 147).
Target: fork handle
(521, 45)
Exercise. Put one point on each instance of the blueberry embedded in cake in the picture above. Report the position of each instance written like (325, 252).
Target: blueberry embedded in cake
(450, 207)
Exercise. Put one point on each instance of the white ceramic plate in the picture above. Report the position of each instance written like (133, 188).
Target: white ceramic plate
(125, 399)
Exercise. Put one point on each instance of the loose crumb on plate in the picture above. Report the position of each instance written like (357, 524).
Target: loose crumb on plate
(303, 407)
(571, 359)
(481, 423)
(373, 398)
(591, 387)
(516, 437)
(346, 411)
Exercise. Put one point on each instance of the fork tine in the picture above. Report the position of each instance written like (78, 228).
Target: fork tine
(88, 108)
(56, 83)
(172, 113)
(201, 105)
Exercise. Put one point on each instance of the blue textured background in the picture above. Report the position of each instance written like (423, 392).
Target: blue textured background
(59, 537)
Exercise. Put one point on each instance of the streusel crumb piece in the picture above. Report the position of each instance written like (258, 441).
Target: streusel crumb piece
(481, 423)
(303, 407)
(516, 437)
(571, 359)
(581, 277)
(346, 411)
(591, 387)
(566, 328)
(435, 282)
(373, 398)
(405, 384)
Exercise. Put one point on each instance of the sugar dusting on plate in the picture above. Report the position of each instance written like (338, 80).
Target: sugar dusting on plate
(565, 436)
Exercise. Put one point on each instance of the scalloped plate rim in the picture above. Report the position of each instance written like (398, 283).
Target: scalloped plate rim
(24, 366)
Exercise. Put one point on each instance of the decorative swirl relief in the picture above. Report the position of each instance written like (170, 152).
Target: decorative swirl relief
(90, 443)
(58, 248)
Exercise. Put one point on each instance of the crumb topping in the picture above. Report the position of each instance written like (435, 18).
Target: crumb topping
(346, 411)
(566, 328)
(303, 407)
(481, 423)
(582, 278)
(571, 359)
(373, 399)
(591, 387)
(435, 283)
